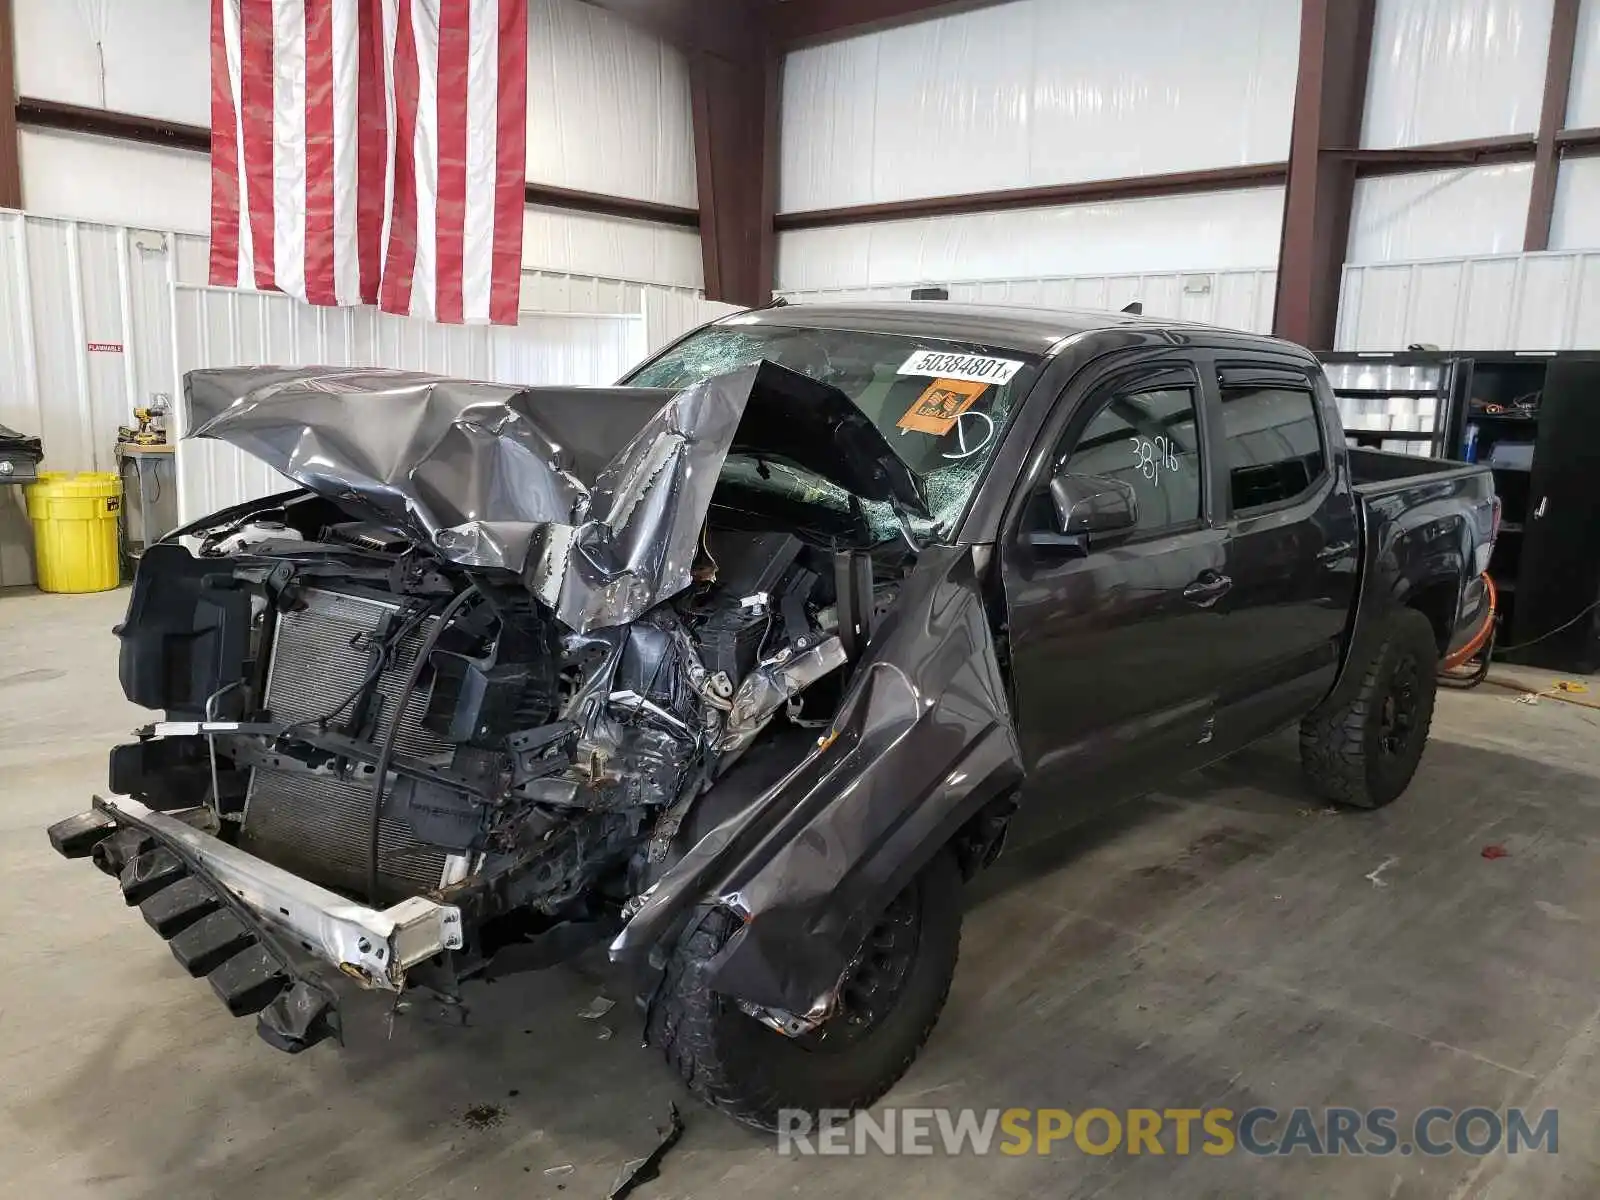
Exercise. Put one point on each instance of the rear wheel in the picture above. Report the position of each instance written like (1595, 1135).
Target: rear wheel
(1363, 747)
(890, 998)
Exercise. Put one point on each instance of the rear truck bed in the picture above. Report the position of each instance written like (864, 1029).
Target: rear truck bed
(1373, 470)
(1428, 528)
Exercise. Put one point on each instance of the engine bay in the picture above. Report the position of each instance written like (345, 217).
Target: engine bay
(388, 724)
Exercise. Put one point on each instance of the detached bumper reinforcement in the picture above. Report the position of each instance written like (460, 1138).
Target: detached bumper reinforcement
(241, 921)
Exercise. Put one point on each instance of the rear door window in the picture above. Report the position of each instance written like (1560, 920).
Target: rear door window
(1274, 445)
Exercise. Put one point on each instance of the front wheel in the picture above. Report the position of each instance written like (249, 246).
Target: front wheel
(889, 1000)
(1361, 749)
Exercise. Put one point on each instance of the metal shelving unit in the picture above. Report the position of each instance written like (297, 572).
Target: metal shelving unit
(1402, 402)
(1531, 417)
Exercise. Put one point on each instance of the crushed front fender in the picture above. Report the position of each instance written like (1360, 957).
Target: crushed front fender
(923, 740)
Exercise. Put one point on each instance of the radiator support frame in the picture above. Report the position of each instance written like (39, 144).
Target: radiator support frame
(316, 824)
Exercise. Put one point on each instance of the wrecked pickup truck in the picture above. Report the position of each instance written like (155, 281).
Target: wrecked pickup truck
(743, 667)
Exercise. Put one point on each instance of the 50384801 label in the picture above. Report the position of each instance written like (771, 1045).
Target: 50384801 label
(968, 368)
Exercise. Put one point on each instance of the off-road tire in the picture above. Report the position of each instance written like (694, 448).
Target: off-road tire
(1350, 749)
(749, 1071)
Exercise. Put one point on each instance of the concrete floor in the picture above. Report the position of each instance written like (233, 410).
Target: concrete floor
(1219, 945)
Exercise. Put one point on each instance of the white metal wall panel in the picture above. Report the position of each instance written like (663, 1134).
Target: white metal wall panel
(1231, 299)
(193, 261)
(668, 315)
(1038, 92)
(1547, 301)
(66, 407)
(548, 348)
(1576, 224)
(65, 286)
(118, 183)
(1486, 304)
(208, 471)
(1151, 86)
(669, 312)
(150, 57)
(1438, 214)
(608, 106)
(1443, 70)
(554, 240)
(102, 254)
(1219, 230)
(827, 131)
(1583, 100)
(151, 259)
(19, 397)
(549, 291)
(75, 285)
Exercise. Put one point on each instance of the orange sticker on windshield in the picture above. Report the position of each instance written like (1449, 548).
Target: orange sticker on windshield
(936, 410)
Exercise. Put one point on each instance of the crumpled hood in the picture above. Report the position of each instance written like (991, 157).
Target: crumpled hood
(595, 496)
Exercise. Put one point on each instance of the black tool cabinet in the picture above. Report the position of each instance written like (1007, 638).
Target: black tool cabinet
(1534, 419)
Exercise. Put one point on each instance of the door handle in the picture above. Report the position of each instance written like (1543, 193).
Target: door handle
(1335, 552)
(1208, 589)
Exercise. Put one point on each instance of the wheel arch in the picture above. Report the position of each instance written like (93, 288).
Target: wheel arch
(1437, 599)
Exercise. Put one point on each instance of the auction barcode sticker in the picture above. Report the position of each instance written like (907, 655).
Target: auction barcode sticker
(970, 368)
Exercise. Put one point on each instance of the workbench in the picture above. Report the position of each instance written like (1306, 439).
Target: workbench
(154, 494)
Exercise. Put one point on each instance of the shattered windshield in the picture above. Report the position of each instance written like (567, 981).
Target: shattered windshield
(941, 405)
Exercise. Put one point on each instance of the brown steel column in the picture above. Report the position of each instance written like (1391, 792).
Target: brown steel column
(10, 151)
(1335, 50)
(735, 107)
(1552, 116)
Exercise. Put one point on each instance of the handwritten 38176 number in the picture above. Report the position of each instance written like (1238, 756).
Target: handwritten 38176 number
(1153, 456)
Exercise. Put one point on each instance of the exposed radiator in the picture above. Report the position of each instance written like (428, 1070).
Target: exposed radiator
(318, 825)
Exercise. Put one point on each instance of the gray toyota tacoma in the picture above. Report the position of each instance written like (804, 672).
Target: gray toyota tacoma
(743, 667)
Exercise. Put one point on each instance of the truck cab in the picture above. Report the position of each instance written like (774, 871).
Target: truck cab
(1208, 600)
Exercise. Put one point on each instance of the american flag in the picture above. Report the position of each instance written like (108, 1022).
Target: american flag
(371, 152)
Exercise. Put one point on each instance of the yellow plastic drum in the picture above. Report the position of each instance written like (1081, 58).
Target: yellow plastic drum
(75, 532)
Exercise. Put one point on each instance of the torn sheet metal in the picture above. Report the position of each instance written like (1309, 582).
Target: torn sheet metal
(631, 543)
(595, 496)
(922, 741)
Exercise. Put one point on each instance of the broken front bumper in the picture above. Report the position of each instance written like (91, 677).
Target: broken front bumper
(256, 931)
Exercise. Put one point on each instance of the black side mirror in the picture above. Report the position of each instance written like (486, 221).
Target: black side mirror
(1093, 504)
(1088, 506)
